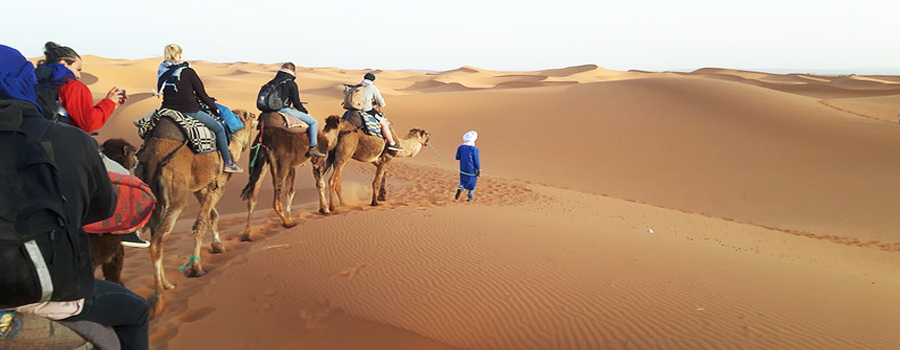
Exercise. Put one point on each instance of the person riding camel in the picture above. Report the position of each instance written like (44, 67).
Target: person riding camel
(180, 87)
(374, 102)
(287, 74)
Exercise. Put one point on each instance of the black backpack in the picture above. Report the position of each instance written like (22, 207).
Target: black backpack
(42, 256)
(271, 96)
(48, 95)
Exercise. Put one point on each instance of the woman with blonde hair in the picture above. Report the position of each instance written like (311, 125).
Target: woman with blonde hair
(180, 88)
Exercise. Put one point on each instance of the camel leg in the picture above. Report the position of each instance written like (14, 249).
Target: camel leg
(378, 184)
(381, 191)
(279, 179)
(289, 194)
(158, 232)
(216, 247)
(112, 269)
(335, 184)
(159, 229)
(208, 199)
(379, 174)
(318, 169)
(247, 234)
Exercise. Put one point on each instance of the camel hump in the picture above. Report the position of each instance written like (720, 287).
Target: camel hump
(283, 121)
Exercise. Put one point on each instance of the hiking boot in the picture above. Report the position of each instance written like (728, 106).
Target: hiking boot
(233, 168)
(395, 147)
(133, 240)
(314, 152)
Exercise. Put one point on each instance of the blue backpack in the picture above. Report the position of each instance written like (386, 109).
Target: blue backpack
(232, 121)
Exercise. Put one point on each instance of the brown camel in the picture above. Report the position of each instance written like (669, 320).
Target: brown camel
(174, 173)
(353, 143)
(107, 250)
(284, 150)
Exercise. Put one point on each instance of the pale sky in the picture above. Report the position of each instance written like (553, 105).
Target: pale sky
(524, 35)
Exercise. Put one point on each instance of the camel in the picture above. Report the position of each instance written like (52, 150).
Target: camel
(353, 143)
(284, 150)
(174, 173)
(107, 249)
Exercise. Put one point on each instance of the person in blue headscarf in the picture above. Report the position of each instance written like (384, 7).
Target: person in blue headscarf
(90, 198)
(469, 164)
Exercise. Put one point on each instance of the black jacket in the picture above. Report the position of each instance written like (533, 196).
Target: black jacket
(82, 176)
(290, 89)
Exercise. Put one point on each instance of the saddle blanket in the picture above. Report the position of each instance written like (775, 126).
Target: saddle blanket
(373, 127)
(200, 138)
(292, 121)
(134, 205)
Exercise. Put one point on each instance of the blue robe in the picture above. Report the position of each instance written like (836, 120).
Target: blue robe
(469, 164)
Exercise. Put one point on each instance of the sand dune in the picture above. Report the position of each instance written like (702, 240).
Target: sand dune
(717, 209)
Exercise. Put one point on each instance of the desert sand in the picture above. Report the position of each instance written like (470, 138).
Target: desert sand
(717, 209)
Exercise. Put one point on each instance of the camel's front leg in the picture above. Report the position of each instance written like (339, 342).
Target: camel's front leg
(289, 194)
(161, 224)
(335, 185)
(318, 170)
(247, 234)
(279, 179)
(216, 247)
(382, 192)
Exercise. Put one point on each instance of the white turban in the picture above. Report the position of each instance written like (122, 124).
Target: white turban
(470, 137)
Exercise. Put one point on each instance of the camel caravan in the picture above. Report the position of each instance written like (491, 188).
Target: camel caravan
(181, 158)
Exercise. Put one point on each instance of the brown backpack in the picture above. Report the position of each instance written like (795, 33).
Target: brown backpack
(353, 97)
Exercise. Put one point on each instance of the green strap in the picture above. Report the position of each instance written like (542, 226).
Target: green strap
(446, 162)
(181, 269)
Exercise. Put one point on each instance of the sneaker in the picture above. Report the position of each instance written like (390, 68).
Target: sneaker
(233, 168)
(133, 240)
(314, 152)
(395, 147)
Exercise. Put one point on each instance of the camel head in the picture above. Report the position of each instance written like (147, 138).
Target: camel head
(249, 119)
(419, 135)
(120, 151)
(332, 122)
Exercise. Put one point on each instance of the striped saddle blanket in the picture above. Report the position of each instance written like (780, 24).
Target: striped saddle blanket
(200, 138)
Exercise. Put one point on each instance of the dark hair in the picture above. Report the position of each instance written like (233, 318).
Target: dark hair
(54, 53)
(369, 76)
(288, 65)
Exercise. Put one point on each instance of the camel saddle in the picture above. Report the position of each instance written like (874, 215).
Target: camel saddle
(363, 121)
(199, 137)
(282, 121)
(30, 332)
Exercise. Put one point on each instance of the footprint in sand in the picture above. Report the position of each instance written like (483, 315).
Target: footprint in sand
(349, 273)
(194, 315)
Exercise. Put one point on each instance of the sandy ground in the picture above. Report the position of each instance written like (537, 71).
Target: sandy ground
(718, 209)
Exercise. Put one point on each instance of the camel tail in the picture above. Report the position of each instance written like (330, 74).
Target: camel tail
(259, 156)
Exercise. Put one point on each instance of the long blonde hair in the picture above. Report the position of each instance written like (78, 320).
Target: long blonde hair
(172, 53)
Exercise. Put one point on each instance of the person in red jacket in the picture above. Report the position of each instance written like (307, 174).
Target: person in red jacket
(64, 66)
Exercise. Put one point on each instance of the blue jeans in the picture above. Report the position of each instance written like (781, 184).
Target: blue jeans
(217, 128)
(116, 306)
(313, 129)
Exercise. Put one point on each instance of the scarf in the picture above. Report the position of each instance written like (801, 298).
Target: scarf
(53, 76)
(470, 137)
(173, 78)
(17, 79)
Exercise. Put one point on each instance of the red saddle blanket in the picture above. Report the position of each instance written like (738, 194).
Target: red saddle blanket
(133, 208)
